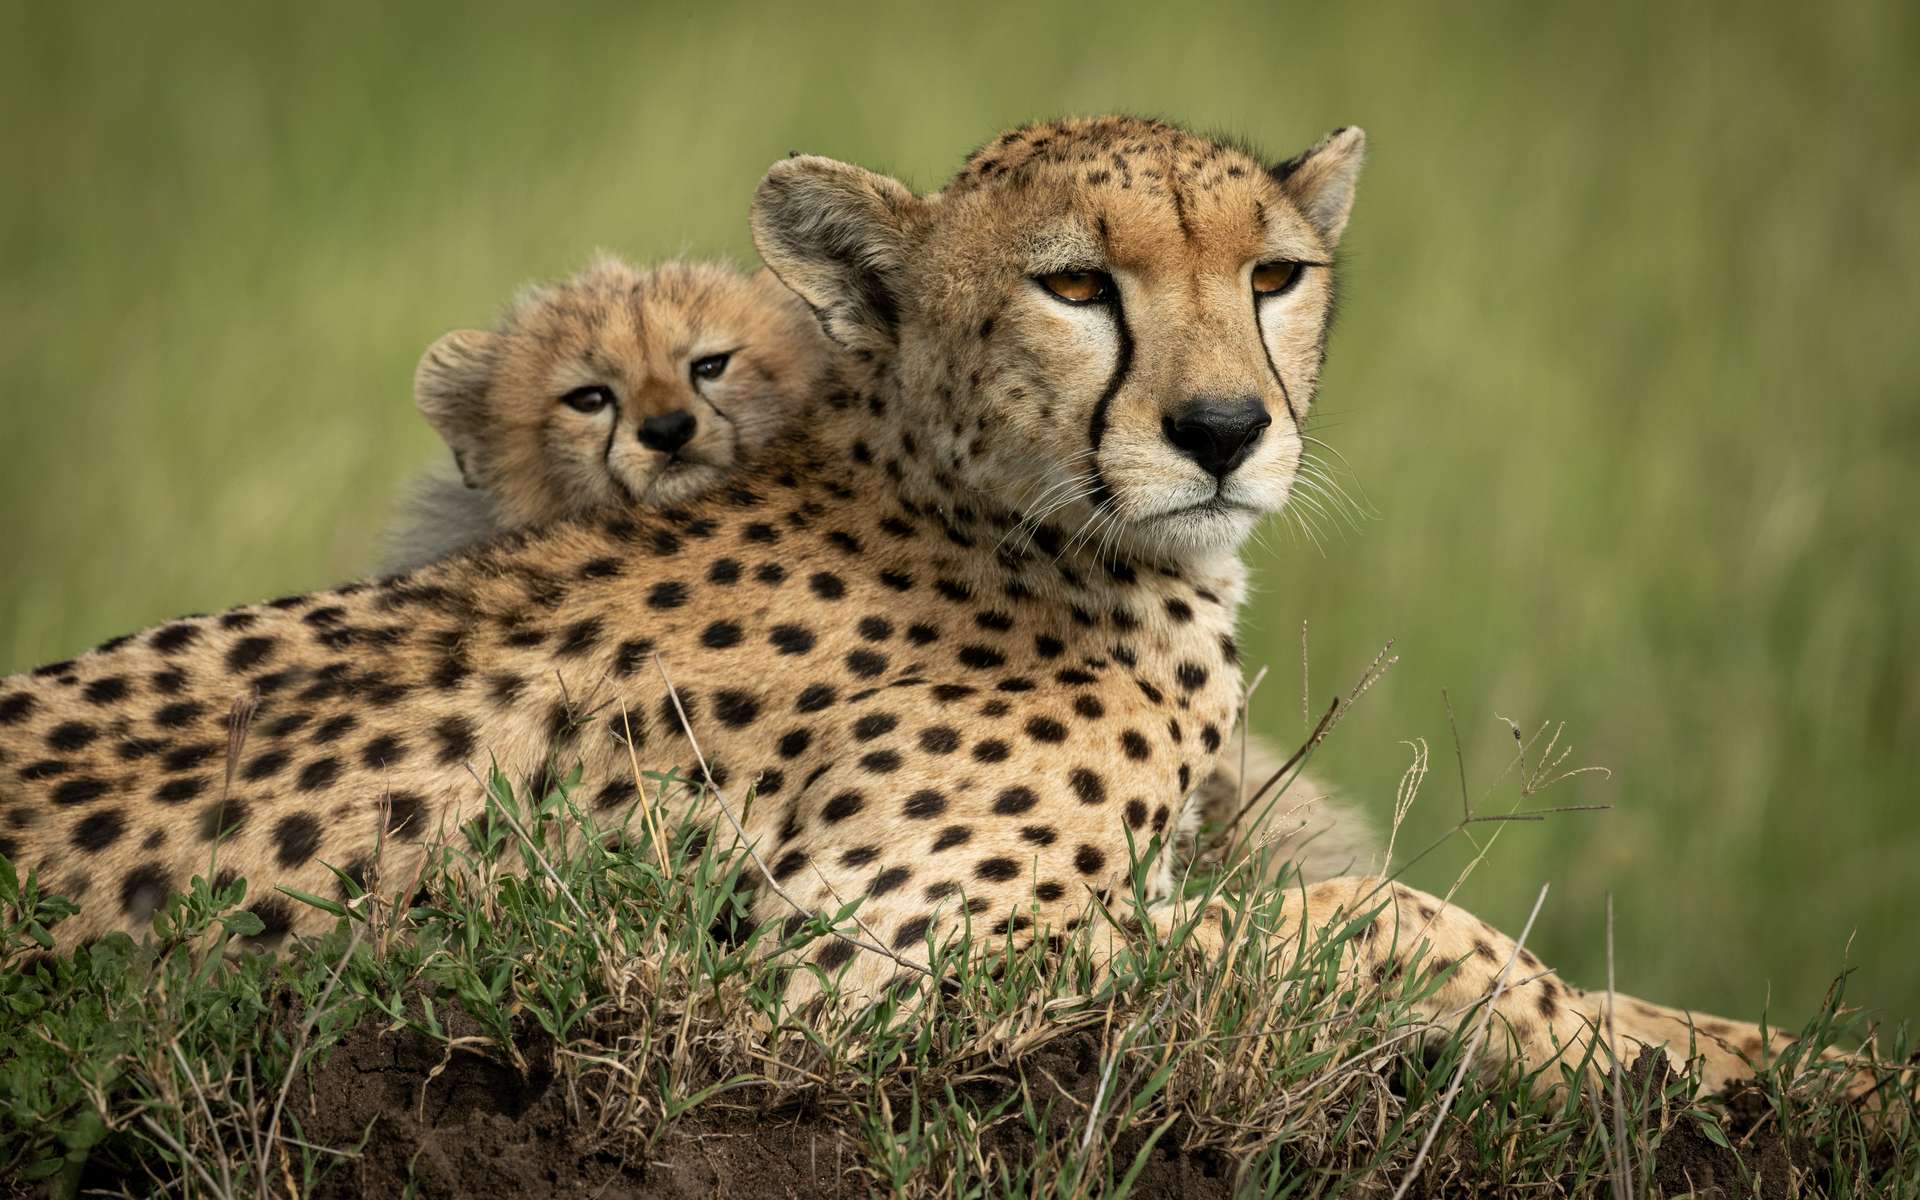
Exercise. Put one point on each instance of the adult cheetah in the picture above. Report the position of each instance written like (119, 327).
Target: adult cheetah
(619, 387)
(969, 637)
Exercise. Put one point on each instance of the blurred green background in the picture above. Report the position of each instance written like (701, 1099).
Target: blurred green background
(1627, 367)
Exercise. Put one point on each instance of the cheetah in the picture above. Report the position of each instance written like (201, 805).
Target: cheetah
(616, 386)
(966, 635)
(619, 387)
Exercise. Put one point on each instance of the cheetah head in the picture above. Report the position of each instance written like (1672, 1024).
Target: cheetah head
(620, 386)
(1122, 323)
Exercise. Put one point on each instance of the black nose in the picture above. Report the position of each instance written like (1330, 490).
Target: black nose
(668, 431)
(1218, 434)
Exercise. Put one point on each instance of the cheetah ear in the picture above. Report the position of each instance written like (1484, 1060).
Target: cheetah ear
(838, 236)
(450, 389)
(1321, 181)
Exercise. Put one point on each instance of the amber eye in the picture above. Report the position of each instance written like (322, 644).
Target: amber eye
(1079, 287)
(1270, 279)
(713, 366)
(587, 400)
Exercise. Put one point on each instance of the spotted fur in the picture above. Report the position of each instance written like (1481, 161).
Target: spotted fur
(967, 637)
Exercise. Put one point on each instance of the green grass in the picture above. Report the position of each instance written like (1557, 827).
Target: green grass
(616, 983)
(1626, 366)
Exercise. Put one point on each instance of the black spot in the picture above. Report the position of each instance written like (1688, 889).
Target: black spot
(185, 758)
(335, 728)
(881, 762)
(791, 639)
(1179, 610)
(222, 819)
(666, 543)
(110, 690)
(318, 774)
(1046, 730)
(71, 736)
(925, 804)
(859, 856)
(875, 629)
(888, 880)
(670, 593)
(940, 739)
(789, 863)
(171, 639)
(761, 532)
(1088, 786)
(83, 790)
(921, 634)
(834, 955)
(1190, 676)
(248, 653)
(97, 832)
(999, 869)
(295, 839)
(874, 725)
(1136, 813)
(670, 715)
(406, 814)
(173, 716)
(600, 568)
(947, 693)
(843, 806)
(912, 933)
(1210, 737)
(814, 698)
(724, 571)
(1047, 646)
(238, 620)
(951, 836)
(1135, 746)
(770, 781)
(1089, 860)
(896, 580)
(143, 890)
(579, 638)
(1039, 835)
(1015, 800)
(953, 590)
(1088, 706)
(276, 918)
(46, 768)
(736, 709)
(981, 657)
(770, 573)
(1229, 649)
(992, 750)
(16, 708)
(827, 585)
(383, 751)
(866, 663)
(721, 635)
(454, 737)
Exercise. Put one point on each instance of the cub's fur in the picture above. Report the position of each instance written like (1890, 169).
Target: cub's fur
(617, 386)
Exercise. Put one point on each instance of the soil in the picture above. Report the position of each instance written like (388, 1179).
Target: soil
(475, 1128)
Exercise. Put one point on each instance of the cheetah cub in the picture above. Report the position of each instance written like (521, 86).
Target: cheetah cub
(616, 386)
(628, 387)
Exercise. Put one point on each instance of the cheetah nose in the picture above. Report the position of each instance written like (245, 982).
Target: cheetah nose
(1218, 434)
(668, 431)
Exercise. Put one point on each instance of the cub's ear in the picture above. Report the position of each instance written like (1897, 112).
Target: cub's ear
(838, 235)
(450, 390)
(1321, 181)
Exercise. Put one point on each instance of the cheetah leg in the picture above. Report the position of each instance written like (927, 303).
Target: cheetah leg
(1540, 1020)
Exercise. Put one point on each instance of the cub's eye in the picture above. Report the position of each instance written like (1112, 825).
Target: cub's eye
(713, 366)
(1079, 287)
(1270, 279)
(587, 400)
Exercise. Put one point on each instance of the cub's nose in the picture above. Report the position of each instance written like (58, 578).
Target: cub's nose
(1217, 434)
(668, 431)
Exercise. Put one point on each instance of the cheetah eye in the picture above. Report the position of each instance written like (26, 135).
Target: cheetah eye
(713, 366)
(1273, 278)
(1078, 287)
(587, 400)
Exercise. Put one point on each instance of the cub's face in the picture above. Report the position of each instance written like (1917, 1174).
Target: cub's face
(1125, 322)
(620, 387)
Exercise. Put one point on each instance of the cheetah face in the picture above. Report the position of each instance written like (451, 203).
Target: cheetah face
(620, 387)
(1124, 323)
